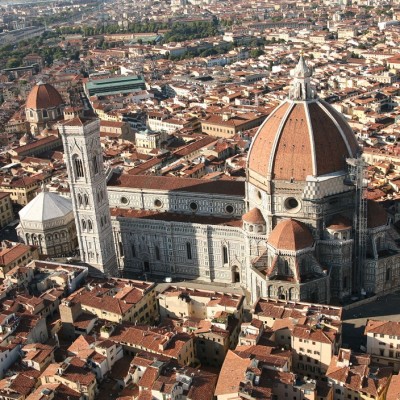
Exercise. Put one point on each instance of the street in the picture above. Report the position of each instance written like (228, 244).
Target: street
(354, 320)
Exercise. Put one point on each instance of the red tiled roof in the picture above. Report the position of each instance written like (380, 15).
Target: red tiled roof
(228, 187)
(290, 235)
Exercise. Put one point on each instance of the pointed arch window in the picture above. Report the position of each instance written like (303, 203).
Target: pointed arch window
(78, 167)
(83, 224)
(86, 198)
(79, 199)
(90, 225)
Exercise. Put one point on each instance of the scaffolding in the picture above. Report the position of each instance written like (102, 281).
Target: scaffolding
(358, 179)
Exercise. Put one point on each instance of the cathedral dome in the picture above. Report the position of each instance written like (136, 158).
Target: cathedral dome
(43, 96)
(46, 206)
(290, 234)
(303, 136)
(254, 216)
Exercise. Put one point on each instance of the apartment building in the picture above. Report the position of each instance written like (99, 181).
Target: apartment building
(214, 318)
(15, 254)
(114, 300)
(352, 376)
(137, 338)
(383, 342)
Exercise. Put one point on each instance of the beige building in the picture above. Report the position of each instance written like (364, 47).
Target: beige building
(347, 368)
(6, 210)
(213, 317)
(134, 339)
(383, 342)
(114, 300)
(15, 254)
(72, 373)
(22, 189)
(227, 125)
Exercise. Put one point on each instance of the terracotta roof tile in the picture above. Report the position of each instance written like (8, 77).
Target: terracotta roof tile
(290, 234)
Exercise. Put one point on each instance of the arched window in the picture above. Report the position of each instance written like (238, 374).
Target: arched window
(79, 199)
(157, 252)
(86, 198)
(95, 165)
(83, 224)
(27, 238)
(90, 226)
(78, 167)
(225, 254)
(188, 251)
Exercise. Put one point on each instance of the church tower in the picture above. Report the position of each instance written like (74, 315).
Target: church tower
(83, 156)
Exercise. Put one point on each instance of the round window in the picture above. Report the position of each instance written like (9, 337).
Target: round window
(291, 203)
(229, 209)
(157, 203)
(193, 206)
(124, 200)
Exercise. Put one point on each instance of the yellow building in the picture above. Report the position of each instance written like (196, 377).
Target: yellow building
(6, 210)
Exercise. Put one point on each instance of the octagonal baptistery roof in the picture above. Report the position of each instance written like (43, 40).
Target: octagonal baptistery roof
(46, 206)
(43, 96)
(303, 136)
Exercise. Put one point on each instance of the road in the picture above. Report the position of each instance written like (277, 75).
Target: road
(354, 320)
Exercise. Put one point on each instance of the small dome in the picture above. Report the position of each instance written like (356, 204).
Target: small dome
(254, 216)
(376, 214)
(290, 235)
(339, 223)
(46, 206)
(43, 96)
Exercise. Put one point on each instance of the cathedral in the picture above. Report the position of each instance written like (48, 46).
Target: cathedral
(298, 228)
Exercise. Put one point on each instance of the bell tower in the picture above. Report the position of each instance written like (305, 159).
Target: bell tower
(87, 180)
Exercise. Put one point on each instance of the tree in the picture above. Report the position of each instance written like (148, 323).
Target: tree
(256, 53)
(13, 62)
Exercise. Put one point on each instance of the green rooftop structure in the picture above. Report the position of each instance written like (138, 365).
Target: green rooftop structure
(117, 85)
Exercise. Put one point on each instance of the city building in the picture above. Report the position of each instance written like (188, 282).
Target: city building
(383, 342)
(6, 210)
(117, 85)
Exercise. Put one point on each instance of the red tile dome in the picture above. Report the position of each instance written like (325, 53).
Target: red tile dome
(254, 216)
(290, 234)
(303, 136)
(43, 96)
